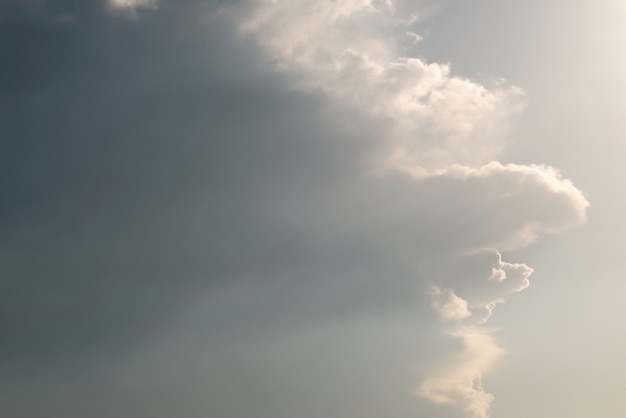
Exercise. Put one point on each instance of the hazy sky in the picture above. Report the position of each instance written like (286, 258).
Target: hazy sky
(312, 209)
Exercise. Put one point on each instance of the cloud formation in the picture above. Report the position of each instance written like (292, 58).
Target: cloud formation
(483, 280)
(131, 6)
(319, 198)
(352, 51)
(31, 4)
(445, 131)
(458, 380)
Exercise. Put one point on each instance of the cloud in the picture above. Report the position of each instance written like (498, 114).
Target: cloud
(30, 4)
(507, 206)
(334, 188)
(457, 381)
(350, 51)
(481, 209)
(483, 280)
(131, 6)
(454, 204)
(431, 220)
(448, 304)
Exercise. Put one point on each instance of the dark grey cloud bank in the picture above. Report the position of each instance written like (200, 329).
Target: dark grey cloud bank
(177, 224)
(146, 162)
(142, 170)
(136, 166)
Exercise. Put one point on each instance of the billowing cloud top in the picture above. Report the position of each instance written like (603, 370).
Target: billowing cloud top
(353, 52)
(444, 130)
(158, 166)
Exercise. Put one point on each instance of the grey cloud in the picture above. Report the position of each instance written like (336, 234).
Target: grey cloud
(445, 212)
(155, 168)
(30, 4)
(109, 163)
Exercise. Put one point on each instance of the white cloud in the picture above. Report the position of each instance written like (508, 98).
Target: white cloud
(448, 304)
(447, 226)
(348, 50)
(134, 3)
(504, 206)
(481, 281)
(443, 203)
(457, 381)
(461, 210)
(490, 206)
(440, 212)
(414, 36)
(130, 6)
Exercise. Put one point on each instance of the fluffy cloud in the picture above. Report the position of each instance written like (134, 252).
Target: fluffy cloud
(349, 51)
(456, 211)
(504, 206)
(350, 178)
(483, 280)
(448, 304)
(449, 229)
(445, 204)
(457, 381)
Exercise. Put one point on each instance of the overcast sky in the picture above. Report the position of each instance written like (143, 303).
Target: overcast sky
(289, 208)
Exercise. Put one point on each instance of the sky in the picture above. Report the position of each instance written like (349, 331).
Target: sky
(280, 208)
